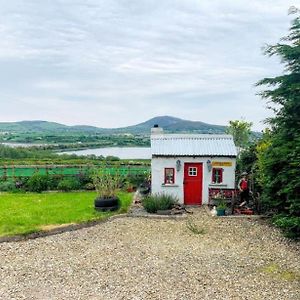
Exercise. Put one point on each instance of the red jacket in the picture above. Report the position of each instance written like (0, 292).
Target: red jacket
(243, 184)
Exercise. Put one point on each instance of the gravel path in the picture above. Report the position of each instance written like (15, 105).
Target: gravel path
(137, 258)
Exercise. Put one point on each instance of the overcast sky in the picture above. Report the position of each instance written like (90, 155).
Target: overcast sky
(114, 63)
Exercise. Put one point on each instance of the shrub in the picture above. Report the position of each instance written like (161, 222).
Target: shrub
(106, 184)
(53, 181)
(85, 178)
(37, 183)
(7, 186)
(89, 186)
(68, 184)
(20, 182)
(153, 203)
(112, 158)
(149, 204)
(137, 180)
(289, 225)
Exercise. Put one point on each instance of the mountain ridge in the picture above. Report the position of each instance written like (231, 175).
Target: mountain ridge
(168, 123)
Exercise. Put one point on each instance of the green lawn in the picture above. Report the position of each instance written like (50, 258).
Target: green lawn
(29, 212)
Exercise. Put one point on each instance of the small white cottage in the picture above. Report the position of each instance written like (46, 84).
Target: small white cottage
(189, 166)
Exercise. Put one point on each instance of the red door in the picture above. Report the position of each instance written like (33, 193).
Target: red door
(192, 183)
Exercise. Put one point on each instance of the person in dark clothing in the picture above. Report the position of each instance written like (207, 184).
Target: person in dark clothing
(243, 186)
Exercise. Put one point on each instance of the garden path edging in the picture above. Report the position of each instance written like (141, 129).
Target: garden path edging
(72, 227)
(158, 217)
(59, 230)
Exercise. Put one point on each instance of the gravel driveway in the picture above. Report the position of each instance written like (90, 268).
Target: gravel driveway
(138, 258)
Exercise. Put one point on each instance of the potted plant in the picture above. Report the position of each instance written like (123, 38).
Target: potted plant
(128, 186)
(107, 186)
(221, 207)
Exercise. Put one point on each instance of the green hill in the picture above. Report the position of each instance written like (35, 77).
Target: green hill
(43, 127)
(168, 123)
(173, 125)
(31, 126)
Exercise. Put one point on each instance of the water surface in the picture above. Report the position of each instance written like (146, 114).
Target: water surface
(121, 152)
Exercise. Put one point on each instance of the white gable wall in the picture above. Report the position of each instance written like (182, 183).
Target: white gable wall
(158, 164)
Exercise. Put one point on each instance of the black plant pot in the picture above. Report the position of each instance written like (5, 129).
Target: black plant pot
(107, 204)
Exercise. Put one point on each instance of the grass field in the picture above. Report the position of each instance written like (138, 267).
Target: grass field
(23, 213)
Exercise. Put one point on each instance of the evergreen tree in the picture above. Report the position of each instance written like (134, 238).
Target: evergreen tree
(241, 132)
(279, 161)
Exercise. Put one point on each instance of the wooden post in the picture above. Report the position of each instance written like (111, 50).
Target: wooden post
(5, 172)
(232, 201)
(13, 172)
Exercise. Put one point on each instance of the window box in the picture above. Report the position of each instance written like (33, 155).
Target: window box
(169, 185)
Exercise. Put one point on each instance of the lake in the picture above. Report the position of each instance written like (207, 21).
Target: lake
(121, 152)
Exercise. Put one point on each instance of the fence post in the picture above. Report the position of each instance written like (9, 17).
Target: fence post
(5, 172)
(13, 172)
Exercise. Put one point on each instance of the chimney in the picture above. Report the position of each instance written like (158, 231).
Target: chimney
(156, 130)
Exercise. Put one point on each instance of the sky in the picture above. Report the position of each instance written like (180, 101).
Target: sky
(114, 63)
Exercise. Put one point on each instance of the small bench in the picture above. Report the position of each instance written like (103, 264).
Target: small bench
(229, 196)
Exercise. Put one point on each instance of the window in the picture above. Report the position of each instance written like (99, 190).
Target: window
(169, 175)
(217, 175)
(192, 171)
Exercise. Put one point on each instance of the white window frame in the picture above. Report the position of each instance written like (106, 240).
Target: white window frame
(193, 171)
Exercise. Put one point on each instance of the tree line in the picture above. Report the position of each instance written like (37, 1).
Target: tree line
(274, 159)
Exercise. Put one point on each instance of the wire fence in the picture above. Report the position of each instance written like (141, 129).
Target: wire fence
(70, 170)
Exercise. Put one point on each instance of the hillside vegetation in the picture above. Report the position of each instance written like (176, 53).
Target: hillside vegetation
(168, 123)
(82, 136)
(62, 137)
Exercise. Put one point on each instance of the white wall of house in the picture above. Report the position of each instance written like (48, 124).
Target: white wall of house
(158, 164)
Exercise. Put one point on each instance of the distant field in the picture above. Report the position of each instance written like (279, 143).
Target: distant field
(29, 212)
(27, 171)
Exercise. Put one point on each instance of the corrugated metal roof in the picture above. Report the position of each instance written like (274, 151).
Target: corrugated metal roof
(192, 145)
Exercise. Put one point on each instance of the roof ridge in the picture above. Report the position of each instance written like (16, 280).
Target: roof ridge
(192, 136)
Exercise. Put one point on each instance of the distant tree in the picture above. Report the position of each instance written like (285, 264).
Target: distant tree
(247, 159)
(241, 132)
(279, 154)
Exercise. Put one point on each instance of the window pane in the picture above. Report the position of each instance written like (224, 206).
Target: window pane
(217, 175)
(192, 171)
(169, 175)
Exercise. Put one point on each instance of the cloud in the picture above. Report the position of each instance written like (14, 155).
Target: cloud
(95, 59)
